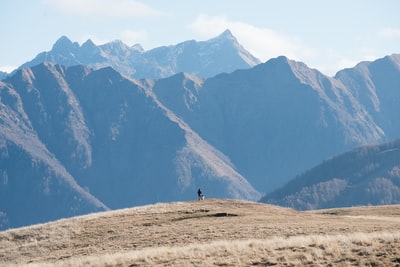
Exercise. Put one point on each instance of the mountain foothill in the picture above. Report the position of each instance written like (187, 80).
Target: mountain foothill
(86, 128)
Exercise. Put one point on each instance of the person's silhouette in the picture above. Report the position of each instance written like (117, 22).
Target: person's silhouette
(200, 194)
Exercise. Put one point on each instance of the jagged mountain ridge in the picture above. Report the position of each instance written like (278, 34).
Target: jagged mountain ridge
(205, 58)
(368, 175)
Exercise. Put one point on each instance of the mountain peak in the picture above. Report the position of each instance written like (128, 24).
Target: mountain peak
(63, 40)
(137, 47)
(88, 43)
(64, 44)
(116, 46)
(226, 35)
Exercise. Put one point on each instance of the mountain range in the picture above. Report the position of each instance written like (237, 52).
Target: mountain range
(111, 135)
(80, 133)
(205, 59)
(274, 119)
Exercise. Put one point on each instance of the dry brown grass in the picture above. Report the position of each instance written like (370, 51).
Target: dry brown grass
(211, 233)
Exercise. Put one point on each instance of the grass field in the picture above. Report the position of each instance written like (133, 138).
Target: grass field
(212, 232)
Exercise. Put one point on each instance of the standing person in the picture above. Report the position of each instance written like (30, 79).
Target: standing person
(200, 194)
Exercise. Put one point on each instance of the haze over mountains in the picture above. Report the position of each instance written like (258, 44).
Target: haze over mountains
(79, 136)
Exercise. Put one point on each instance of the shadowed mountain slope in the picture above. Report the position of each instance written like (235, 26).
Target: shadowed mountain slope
(34, 186)
(376, 85)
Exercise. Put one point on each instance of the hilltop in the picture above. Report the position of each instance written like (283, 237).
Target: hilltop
(211, 232)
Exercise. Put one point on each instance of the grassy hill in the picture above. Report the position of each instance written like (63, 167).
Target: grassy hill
(213, 232)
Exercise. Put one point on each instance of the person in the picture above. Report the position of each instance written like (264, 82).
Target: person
(200, 194)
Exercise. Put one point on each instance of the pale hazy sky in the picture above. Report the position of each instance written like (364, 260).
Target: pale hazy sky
(325, 34)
